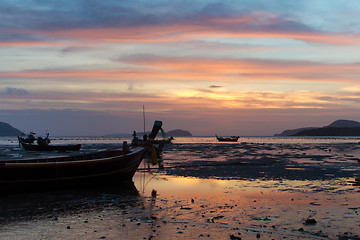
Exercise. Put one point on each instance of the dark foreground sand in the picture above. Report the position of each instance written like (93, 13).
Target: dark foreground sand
(167, 207)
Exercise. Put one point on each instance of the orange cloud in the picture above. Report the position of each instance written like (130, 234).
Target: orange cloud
(205, 69)
(186, 33)
(200, 101)
(252, 69)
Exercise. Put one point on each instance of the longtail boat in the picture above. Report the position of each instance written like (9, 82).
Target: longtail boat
(97, 168)
(227, 139)
(45, 146)
(157, 144)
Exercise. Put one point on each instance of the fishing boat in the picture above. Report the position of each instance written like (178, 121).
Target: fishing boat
(44, 145)
(157, 144)
(91, 169)
(29, 138)
(227, 139)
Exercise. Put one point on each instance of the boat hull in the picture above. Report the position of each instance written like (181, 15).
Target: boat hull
(100, 168)
(227, 139)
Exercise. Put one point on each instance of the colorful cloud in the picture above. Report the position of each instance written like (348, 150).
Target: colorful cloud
(193, 60)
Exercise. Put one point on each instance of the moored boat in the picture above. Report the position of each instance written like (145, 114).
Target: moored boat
(157, 144)
(98, 168)
(227, 139)
(43, 145)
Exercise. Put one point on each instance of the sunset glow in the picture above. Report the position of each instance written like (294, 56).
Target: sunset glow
(249, 68)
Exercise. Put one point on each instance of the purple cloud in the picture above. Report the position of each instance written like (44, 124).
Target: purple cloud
(14, 91)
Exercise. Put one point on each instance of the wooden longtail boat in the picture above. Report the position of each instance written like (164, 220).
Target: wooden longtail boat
(227, 139)
(98, 168)
(48, 147)
(158, 144)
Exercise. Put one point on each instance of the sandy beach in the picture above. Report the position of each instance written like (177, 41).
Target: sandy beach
(274, 191)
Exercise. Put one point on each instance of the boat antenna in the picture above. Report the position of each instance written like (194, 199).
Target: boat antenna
(143, 183)
(144, 118)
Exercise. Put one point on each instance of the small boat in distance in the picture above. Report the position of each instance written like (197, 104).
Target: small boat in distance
(43, 144)
(29, 138)
(227, 139)
(102, 168)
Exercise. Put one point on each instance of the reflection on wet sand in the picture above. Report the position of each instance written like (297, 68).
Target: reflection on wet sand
(253, 190)
(187, 208)
(15, 207)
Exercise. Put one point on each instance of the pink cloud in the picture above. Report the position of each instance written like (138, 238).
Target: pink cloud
(176, 33)
(252, 25)
(205, 69)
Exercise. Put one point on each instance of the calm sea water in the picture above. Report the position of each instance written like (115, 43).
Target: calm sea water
(250, 157)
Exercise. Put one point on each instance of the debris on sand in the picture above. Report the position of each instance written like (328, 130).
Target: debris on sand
(309, 221)
(233, 237)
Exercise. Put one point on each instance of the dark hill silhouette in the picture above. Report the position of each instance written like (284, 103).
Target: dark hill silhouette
(293, 131)
(344, 124)
(331, 131)
(6, 130)
(337, 128)
(179, 133)
(172, 133)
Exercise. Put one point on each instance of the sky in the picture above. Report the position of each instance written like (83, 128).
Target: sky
(235, 67)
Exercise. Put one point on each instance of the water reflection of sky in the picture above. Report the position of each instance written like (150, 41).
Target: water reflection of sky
(169, 207)
(274, 208)
(181, 186)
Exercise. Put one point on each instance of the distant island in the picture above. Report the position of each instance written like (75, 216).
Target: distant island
(293, 131)
(337, 128)
(6, 130)
(178, 133)
(172, 133)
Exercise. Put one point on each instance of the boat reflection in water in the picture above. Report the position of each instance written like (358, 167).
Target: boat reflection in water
(52, 205)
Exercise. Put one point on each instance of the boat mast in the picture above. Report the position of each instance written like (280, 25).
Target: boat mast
(144, 117)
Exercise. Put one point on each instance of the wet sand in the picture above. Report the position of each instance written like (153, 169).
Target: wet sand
(245, 191)
(167, 207)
